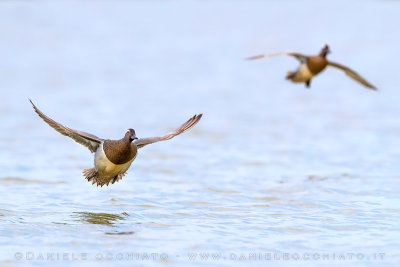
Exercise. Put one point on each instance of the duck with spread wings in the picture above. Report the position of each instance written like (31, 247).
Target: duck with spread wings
(112, 158)
(310, 66)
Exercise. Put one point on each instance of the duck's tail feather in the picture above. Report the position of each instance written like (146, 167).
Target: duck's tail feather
(118, 177)
(92, 176)
(290, 75)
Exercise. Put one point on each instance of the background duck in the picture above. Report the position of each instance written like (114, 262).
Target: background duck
(311, 66)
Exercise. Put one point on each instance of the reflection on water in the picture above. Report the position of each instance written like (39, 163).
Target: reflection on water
(99, 218)
(120, 233)
(271, 167)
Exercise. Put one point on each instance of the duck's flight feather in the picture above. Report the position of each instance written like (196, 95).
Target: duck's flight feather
(141, 142)
(90, 141)
(302, 58)
(352, 74)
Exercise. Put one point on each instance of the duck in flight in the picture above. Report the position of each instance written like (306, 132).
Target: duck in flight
(112, 158)
(310, 66)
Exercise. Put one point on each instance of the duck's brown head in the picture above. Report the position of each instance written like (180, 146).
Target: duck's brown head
(131, 135)
(325, 51)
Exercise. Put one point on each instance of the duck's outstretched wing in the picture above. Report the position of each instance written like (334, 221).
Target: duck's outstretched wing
(352, 74)
(302, 58)
(141, 142)
(90, 141)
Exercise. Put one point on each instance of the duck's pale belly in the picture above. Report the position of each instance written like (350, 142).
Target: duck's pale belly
(105, 168)
(303, 74)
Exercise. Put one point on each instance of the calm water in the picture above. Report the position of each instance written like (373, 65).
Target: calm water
(271, 169)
